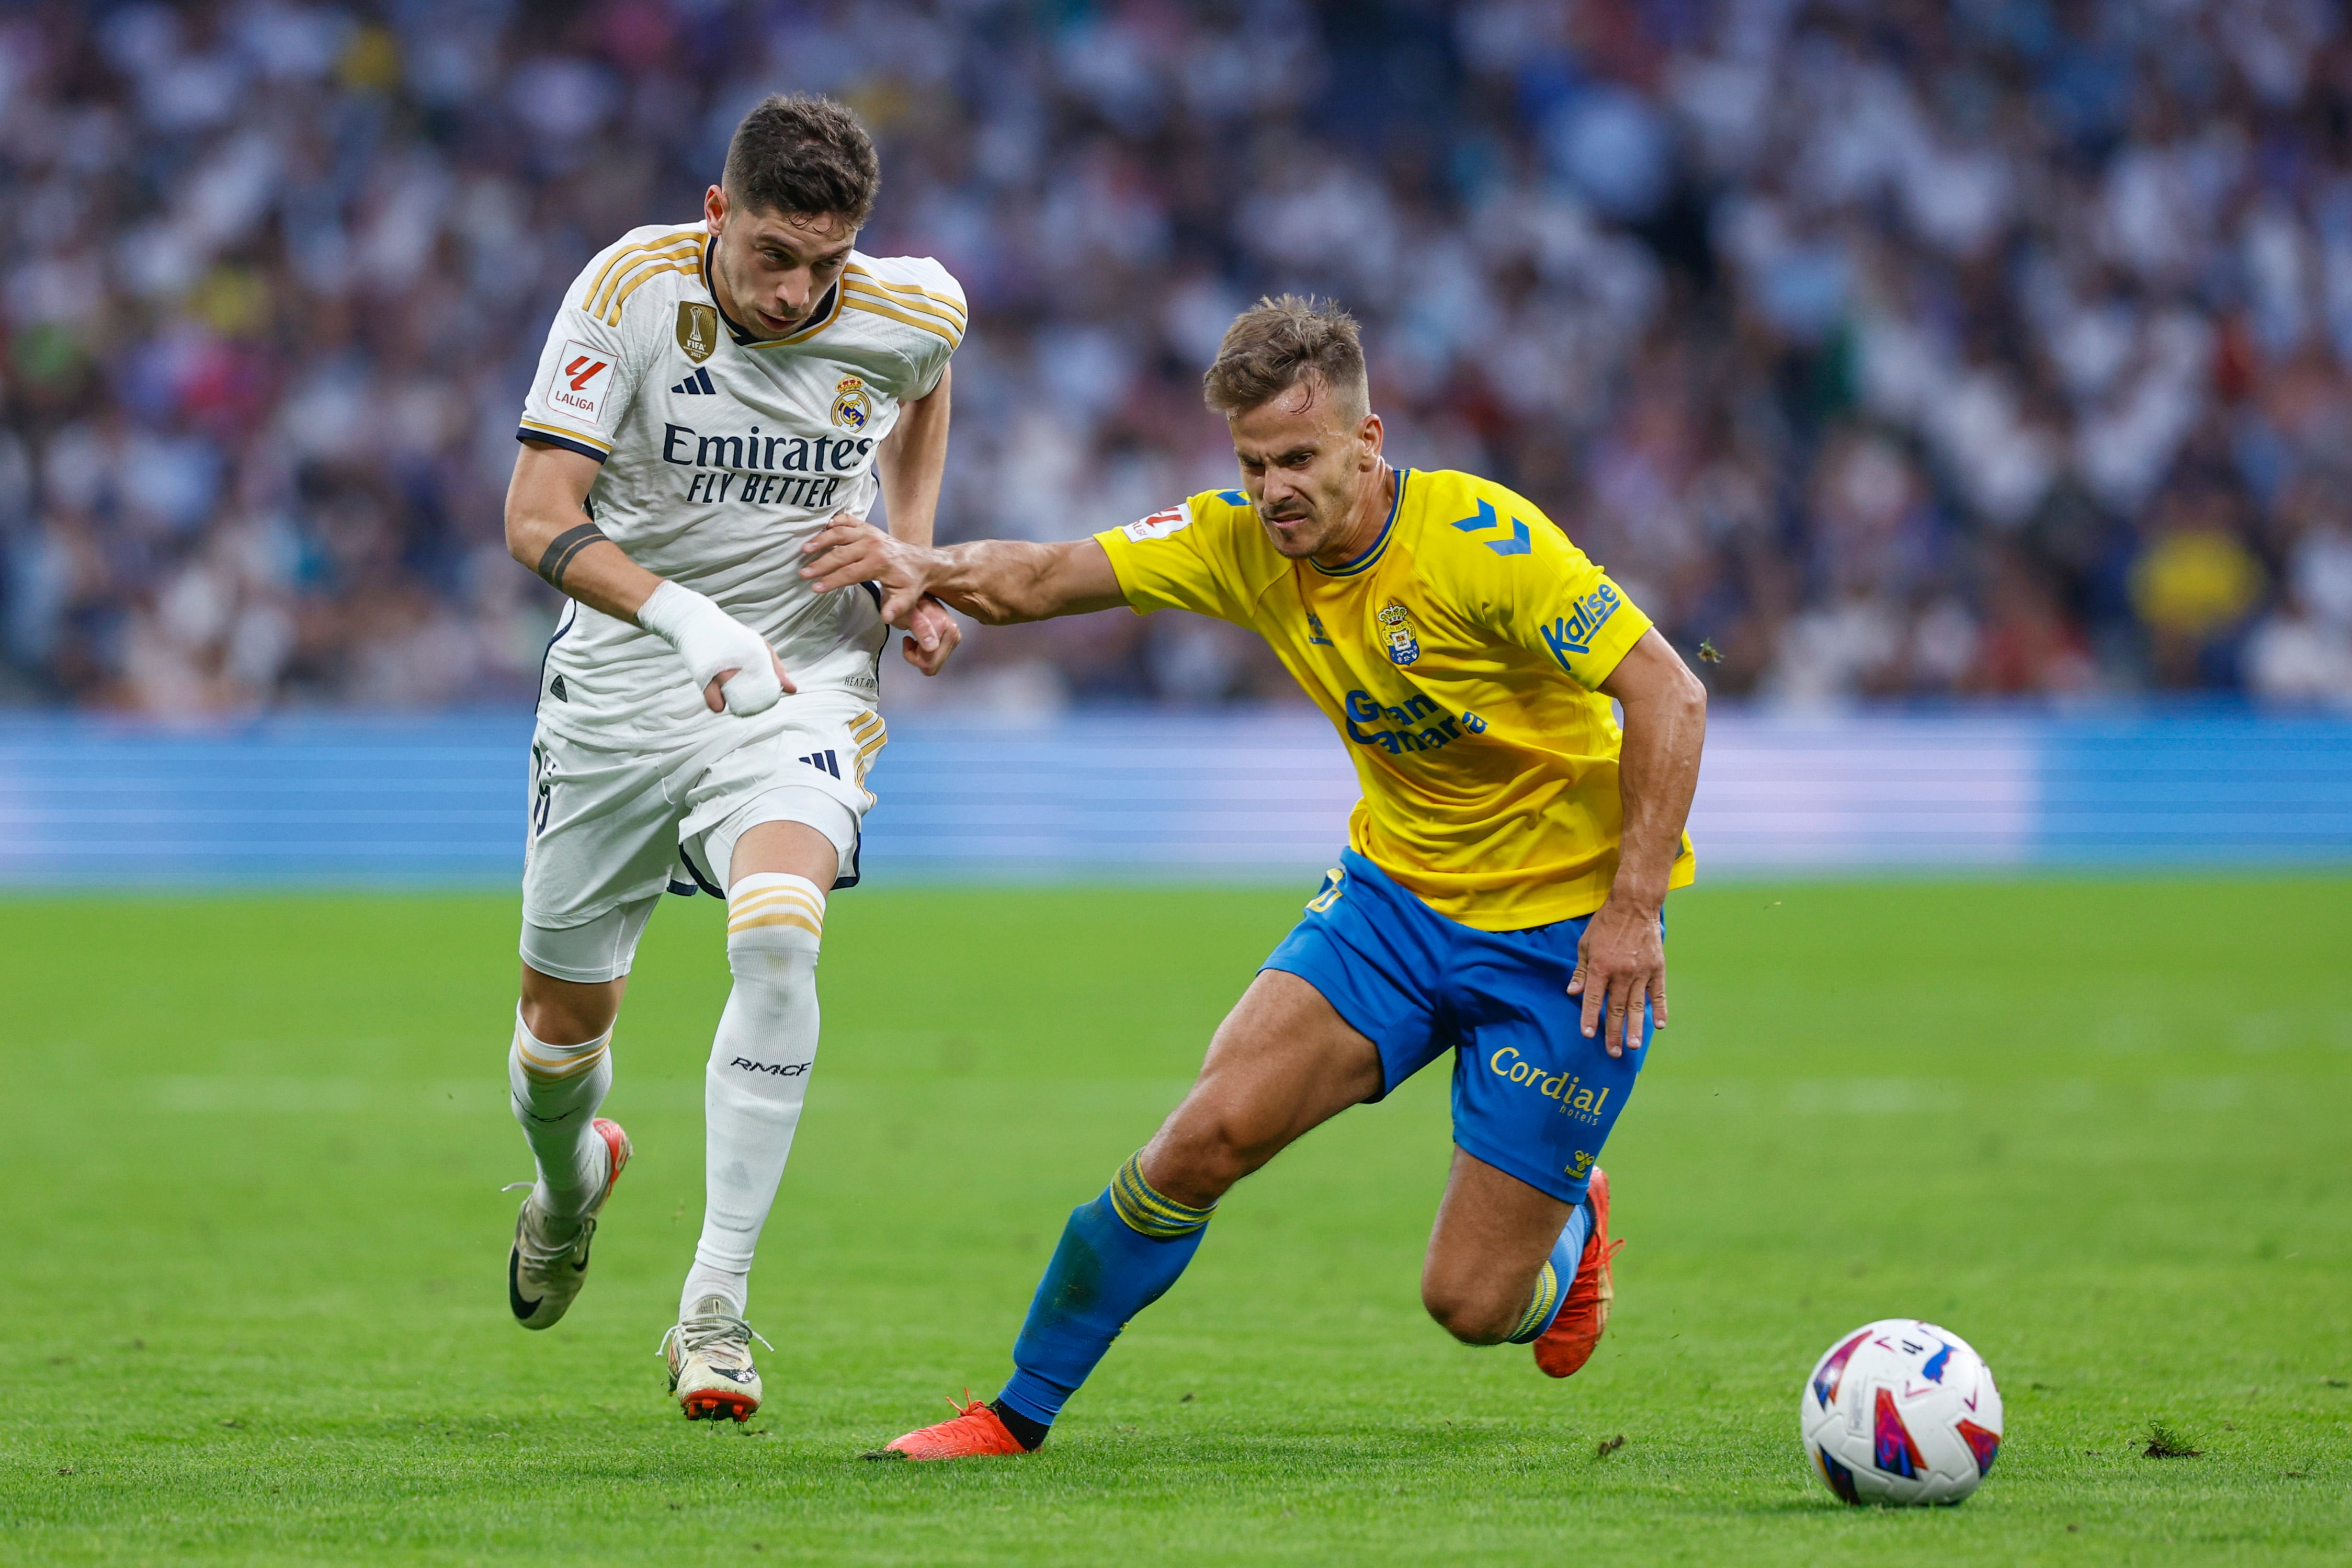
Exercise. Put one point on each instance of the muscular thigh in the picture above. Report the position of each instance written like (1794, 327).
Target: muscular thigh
(1283, 1062)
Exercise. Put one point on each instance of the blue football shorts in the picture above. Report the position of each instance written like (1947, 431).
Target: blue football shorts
(1532, 1095)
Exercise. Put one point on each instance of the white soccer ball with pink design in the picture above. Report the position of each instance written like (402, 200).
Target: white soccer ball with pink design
(1901, 1412)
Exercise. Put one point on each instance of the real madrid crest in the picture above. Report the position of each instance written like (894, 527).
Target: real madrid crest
(1396, 629)
(851, 407)
(698, 330)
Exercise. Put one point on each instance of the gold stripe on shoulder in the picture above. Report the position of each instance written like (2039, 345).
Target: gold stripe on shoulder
(613, 317)
(602, 301)
(928, 323)
(878, 281)
(663, 243)
(901, 303)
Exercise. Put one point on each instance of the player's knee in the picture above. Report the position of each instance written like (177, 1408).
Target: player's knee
(1475, 1317)
(566, 1012)
(1198, 1158)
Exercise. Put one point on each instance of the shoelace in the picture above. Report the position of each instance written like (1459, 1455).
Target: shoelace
(701, 1333)
(538, 1250)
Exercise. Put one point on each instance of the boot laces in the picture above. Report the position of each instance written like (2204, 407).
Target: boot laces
(708, 1332)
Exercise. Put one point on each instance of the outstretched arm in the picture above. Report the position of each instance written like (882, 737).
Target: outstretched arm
(994, 580)
(549, 530)
(1621, 961)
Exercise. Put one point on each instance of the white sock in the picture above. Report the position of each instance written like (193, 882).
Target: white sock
(557, 1089)
(758, 1074)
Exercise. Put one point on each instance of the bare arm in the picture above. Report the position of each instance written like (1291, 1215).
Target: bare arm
(549, 530)
(994, 580)
(911, 461)
(1621, 961)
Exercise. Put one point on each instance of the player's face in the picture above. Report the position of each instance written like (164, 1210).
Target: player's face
(773, 268)
(1305, 463)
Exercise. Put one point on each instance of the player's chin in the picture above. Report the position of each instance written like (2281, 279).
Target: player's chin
(1291, 539)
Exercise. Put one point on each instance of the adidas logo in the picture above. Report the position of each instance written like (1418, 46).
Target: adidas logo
(824, 763)
(695, 385)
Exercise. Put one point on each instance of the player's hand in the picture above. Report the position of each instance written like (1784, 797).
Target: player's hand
(732, 665)
(932, 634)
(1620, 964)
(850, 550)
(715, 695)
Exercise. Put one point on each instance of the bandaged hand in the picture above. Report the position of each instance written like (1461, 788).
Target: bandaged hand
(731, 662)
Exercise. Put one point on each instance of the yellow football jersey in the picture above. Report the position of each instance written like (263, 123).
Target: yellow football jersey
(1459, 658)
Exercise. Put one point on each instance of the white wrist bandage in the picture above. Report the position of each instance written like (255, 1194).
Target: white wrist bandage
(709, 640)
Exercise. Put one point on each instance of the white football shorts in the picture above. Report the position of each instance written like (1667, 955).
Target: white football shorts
(611, 829)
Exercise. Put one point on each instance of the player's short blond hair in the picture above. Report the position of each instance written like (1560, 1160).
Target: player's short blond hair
(1277, 344)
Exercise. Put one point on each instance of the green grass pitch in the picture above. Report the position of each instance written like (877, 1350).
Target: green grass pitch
(252, 1304)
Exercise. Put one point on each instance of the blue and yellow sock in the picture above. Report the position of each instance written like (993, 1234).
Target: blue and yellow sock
(1117, 1255)
(1557, 1275)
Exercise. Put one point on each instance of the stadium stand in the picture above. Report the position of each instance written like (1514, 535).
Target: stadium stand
(1896, 350)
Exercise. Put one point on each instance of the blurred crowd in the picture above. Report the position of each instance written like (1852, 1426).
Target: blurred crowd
(1880, 349)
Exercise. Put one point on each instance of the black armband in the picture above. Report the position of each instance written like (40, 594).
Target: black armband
(563, 547)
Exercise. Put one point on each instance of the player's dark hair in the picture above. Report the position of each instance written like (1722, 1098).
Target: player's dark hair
(798, 153)
(1275, 345)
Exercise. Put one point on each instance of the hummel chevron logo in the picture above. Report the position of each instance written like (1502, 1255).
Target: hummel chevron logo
(696, 385)
(1519, 544)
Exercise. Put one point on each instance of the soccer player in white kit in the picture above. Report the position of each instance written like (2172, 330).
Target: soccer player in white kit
(710, 396)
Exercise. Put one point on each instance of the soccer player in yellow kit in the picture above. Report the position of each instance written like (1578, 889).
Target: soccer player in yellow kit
(1501, 895)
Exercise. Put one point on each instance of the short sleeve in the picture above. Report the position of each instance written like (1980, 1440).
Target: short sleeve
(943, 301)
(1179, 560)
(586, 377)
(917, 293)
(1552, 600)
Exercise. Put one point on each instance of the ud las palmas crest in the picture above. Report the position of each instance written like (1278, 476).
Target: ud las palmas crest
(1396, 624)
(851, 407)
(698, 330)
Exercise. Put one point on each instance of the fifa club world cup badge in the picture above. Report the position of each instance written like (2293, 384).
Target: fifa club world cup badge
(851, 407)
(1396, 629)
(698, 330)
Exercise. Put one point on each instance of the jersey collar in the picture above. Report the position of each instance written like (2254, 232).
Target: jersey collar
(1363, 562)
(826, 308)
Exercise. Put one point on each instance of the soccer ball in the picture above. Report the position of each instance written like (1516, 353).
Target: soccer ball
(1900, 1412)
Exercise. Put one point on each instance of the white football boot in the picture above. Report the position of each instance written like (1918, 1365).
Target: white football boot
(549, 1262)
(709, 1356)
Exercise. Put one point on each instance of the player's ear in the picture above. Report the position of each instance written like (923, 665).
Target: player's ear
(1367, 440)
(714, 208)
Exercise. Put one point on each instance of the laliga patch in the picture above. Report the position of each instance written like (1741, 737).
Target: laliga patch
(580, 384)
(1160, 525)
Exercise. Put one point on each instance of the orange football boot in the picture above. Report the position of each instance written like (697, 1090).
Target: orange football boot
(1568, 1344)
(975, 1433)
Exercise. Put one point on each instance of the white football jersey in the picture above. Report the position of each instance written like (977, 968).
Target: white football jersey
(721, 454)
